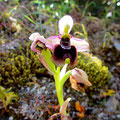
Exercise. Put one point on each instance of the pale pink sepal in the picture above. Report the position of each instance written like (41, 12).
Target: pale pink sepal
(80, 44)
(65, 20)
(33, 46)
(52, 41)
(37, 36)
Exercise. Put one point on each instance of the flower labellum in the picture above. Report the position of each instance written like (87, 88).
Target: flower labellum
(79, 79)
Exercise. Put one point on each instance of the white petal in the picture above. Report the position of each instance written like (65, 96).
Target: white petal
(65, 20)
(63, 71)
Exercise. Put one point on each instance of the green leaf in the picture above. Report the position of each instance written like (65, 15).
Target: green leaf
(30, 19)
(6, 96)
(47, 57)
(65, 77)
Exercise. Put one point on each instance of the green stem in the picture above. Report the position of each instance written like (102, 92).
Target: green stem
(59, 84)
(59, 88)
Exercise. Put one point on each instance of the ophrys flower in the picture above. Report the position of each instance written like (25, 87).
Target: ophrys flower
(62, 46)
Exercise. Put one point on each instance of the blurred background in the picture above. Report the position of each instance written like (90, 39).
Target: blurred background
(27, 91)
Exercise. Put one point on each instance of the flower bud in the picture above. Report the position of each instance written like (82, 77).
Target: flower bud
(79, 79)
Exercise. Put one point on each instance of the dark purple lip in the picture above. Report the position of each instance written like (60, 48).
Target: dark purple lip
(60, 54)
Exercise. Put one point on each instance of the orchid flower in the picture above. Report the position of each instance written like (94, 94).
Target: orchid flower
(64, 45)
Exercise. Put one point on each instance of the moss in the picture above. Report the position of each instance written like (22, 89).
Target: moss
(98, 74)
(18, 67)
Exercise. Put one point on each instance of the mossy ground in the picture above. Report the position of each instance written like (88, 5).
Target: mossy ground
(20, 66)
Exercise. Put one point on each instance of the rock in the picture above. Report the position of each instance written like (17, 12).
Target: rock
(34, 88)
(11, 118)
(118, 96)
(102, 116)
(117, 45)
(9, 46)
(76, 15)
(118, 116)
(112, 104)
(43, 88)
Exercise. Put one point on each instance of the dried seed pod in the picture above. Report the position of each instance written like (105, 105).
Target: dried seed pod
(58, 116)
(61, 115)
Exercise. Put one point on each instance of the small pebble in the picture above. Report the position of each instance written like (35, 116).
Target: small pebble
(11, 118)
